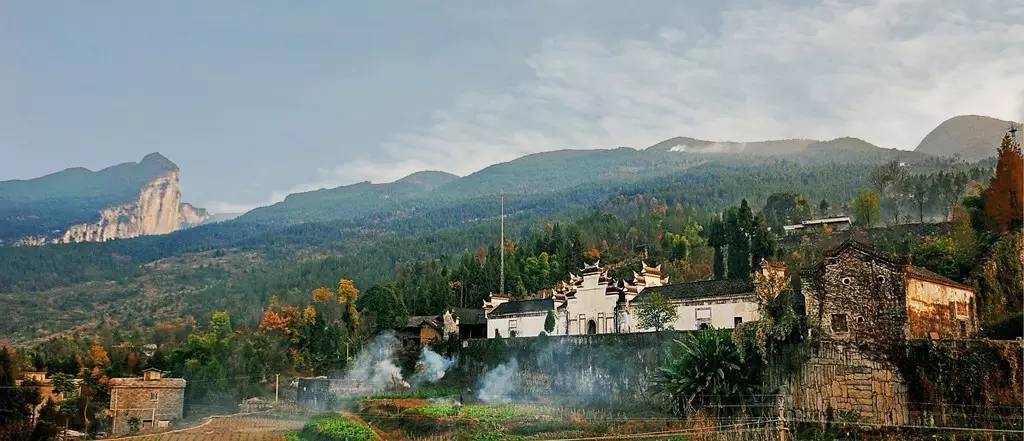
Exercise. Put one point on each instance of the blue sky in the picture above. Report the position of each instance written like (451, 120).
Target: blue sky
(254, 100)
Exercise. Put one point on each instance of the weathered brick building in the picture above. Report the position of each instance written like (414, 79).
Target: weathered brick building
(153, 400)
(862, 305)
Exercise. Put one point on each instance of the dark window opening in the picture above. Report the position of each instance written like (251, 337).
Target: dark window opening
(591, 327)
(839, 323)
(736, 321)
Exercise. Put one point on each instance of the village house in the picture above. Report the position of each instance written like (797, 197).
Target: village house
(857, 293)
(861, 305)
(151, 401)
(422, 330)
(719, 304)
(42, 382)
(593, 303)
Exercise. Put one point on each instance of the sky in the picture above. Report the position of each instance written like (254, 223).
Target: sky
(256, 100)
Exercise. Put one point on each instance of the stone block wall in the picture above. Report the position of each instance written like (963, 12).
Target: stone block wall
(837, 381)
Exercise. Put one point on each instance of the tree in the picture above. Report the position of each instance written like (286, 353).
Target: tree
(865, 209)
(823, 208)
(656, 312)
(785, 208)
(951, 186)
(918, 188)
(738, 224)
(384, 304)
(549, 322)
(705, 369)
(715, 233)
(1004, 197)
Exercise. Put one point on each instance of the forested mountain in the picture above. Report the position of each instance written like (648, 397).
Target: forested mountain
(971, 137)
(428, 225)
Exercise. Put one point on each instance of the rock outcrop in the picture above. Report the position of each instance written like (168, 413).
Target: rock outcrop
(158, 210)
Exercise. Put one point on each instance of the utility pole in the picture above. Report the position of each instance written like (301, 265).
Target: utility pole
(501, 247)
(277, 384)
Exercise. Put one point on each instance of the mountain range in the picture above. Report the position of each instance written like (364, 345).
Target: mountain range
(367, 231)
(143, 198)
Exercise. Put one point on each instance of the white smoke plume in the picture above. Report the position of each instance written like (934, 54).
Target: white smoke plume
(497, 385)
(374, 366)
(431, 367)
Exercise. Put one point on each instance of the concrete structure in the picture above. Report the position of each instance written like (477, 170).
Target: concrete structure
(153, 400)
(839, 223)
(593, 303)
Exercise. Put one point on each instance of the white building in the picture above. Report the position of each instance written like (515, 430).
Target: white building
(721, 304)
(839, 223)
(593, 303)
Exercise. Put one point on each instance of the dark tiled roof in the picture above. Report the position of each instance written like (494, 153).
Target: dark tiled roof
(524, 307)
(922, 273)
(470, 316)
(416, 320)
(865, 248)
(698, 290)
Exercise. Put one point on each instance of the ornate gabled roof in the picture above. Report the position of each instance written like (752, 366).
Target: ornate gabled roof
(865, 248)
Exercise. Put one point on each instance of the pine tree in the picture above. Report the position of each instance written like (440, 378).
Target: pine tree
(1004, 197)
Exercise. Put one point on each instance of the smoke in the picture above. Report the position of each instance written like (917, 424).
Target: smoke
(374, 366)
(431, 367)
(498, 384)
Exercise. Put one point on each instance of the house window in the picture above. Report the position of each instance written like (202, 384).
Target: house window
(600, 322)
(610, 324)
(583, 323)
(839, 323)
(702, 318)
(513, 328)
(736, 321)
(846, 281)
(153, 396)
(881, 279)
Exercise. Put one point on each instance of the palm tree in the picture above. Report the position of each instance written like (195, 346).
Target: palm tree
(706, 369)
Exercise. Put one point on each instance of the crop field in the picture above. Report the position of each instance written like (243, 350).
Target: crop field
(236, 428)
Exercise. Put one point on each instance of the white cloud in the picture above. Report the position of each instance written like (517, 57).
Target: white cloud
(887, 72)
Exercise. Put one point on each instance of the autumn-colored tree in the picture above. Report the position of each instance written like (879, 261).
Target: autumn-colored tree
(273, 321)
(323, 295)
(348, 295)
(592, 255)
(1004, 198)
(98, 354)
(865, 209)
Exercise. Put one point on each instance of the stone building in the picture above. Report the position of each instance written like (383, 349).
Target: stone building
(857, 293)
(594, 303)
(862, 305)
(154, 401)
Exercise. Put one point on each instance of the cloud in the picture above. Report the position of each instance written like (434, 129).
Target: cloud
(887, 71)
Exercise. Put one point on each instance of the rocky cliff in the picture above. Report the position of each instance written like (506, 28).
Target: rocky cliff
(157, 210)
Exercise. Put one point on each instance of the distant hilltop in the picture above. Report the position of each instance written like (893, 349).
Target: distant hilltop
(971, 137)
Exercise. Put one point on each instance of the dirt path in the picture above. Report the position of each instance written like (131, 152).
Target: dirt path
(252, 427)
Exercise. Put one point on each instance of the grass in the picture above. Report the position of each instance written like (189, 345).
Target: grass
(333, 427)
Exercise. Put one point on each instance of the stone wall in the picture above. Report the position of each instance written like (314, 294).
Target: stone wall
(603, 370)
(137, 402)
(837, 381)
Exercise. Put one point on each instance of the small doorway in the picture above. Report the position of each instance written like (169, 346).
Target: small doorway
(591, 327)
